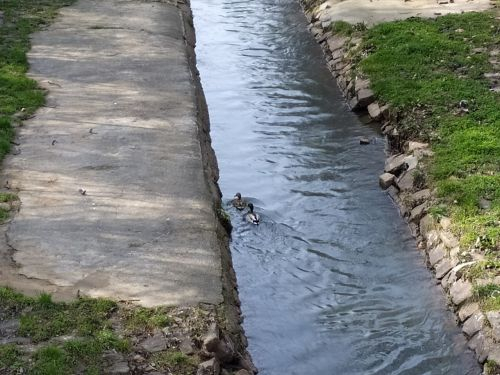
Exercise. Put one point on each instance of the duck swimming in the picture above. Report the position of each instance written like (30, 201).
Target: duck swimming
(238, 202)
(252, 217)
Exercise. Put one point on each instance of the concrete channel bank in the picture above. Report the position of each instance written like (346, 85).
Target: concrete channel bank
(116, 175)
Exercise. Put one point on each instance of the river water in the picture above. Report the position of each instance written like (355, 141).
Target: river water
(331, 281)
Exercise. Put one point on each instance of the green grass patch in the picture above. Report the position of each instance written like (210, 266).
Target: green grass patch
(431, 72)
(491, 368)
(42, 319)
(488, 296)
(10, 357)
(141, 319)
(175, 362)
(17, 91)
(347, 29)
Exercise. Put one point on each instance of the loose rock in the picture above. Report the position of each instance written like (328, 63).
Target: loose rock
(449, 240)
(412, 146)
(442, 268)
(426, 225)
(421, 196)
(210, 367)
(406, 181)
(374, 111)
(494, 319)
(467, 310)
(155, 343)
(418, 212)
(460, 291)
(437, 254)
(364, 141)
(385, 180)
(395, 164)
(365, 98)
(473, 324)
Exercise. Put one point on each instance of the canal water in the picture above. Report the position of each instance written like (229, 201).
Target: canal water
(330, 281)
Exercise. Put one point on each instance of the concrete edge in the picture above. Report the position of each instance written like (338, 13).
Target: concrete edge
(231, 306)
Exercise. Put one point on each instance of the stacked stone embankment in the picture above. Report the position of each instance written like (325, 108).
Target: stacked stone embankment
(404, 182)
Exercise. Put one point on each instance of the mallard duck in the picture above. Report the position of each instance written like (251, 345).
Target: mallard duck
(238, 202)
(252, 217)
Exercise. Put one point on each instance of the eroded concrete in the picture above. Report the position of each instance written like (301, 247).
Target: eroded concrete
(120, 123)
(376, 11)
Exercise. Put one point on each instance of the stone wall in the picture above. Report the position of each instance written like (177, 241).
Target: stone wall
(225, 343)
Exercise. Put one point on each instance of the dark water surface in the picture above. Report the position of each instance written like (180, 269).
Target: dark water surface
(330, 282)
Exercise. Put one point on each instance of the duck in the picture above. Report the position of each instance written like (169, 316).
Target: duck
(238, 202)
(252, 217)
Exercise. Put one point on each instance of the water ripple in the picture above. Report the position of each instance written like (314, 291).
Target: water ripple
(330, 282)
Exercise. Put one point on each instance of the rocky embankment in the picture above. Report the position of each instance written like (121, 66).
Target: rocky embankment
(404, 180)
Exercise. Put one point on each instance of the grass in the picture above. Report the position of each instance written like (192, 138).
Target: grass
(491, 368)
(42, 319)
(488, 296)
(142, 319)
(175, 362)
(431, 73)
(347, 29)
(10, 357)
(19, 95)
(90, 328)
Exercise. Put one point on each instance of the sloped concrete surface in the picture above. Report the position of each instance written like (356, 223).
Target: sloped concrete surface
(121, 124)
(376, 11)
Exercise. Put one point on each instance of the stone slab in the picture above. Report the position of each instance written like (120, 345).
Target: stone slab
(122, 110)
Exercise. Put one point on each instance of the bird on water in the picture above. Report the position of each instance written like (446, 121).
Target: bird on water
(252, 217)
(238, 202)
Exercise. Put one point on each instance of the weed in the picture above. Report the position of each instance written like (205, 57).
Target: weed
(8, 197)
(174, 361)
(17, 91)
(143, 319)
(486, 291)
(50, 360)
(225, 219)
(10, 357)
(491, 368)
(433, 78)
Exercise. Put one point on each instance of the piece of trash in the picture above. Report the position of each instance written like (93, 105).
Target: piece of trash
(54, 142)
(364, 141)
(91, 131)
(82, 191)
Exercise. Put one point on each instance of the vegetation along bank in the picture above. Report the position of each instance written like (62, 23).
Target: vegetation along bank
(434, 86)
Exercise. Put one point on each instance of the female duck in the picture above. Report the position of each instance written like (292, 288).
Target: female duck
(252, 217)
(238, 202)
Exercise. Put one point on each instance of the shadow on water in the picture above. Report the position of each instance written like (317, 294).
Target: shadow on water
(330, 282)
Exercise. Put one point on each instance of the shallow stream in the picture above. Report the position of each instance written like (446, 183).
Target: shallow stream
(330, 282)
